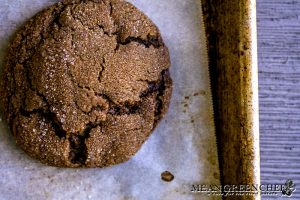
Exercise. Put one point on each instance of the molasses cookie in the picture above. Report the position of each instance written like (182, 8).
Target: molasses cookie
(85, 82)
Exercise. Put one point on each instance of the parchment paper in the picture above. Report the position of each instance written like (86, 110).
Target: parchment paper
(184, 142)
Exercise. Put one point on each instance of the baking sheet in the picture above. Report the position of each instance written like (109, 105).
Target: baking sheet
(183, 143)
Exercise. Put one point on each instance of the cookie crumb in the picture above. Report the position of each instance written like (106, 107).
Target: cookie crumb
(167, 176)
(201, 92)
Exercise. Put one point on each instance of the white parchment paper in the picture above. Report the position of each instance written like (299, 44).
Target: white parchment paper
(184, 142)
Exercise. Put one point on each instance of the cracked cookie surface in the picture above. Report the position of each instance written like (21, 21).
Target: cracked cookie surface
(85, 83)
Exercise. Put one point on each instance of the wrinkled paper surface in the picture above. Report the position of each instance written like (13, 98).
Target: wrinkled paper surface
(183, 143)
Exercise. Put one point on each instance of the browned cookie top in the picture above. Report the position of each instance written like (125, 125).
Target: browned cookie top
(85, 83)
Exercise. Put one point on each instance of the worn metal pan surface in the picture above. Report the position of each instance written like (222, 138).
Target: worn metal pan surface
(232, 39)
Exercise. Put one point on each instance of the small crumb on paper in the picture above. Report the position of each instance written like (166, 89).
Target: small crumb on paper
(167, 176)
